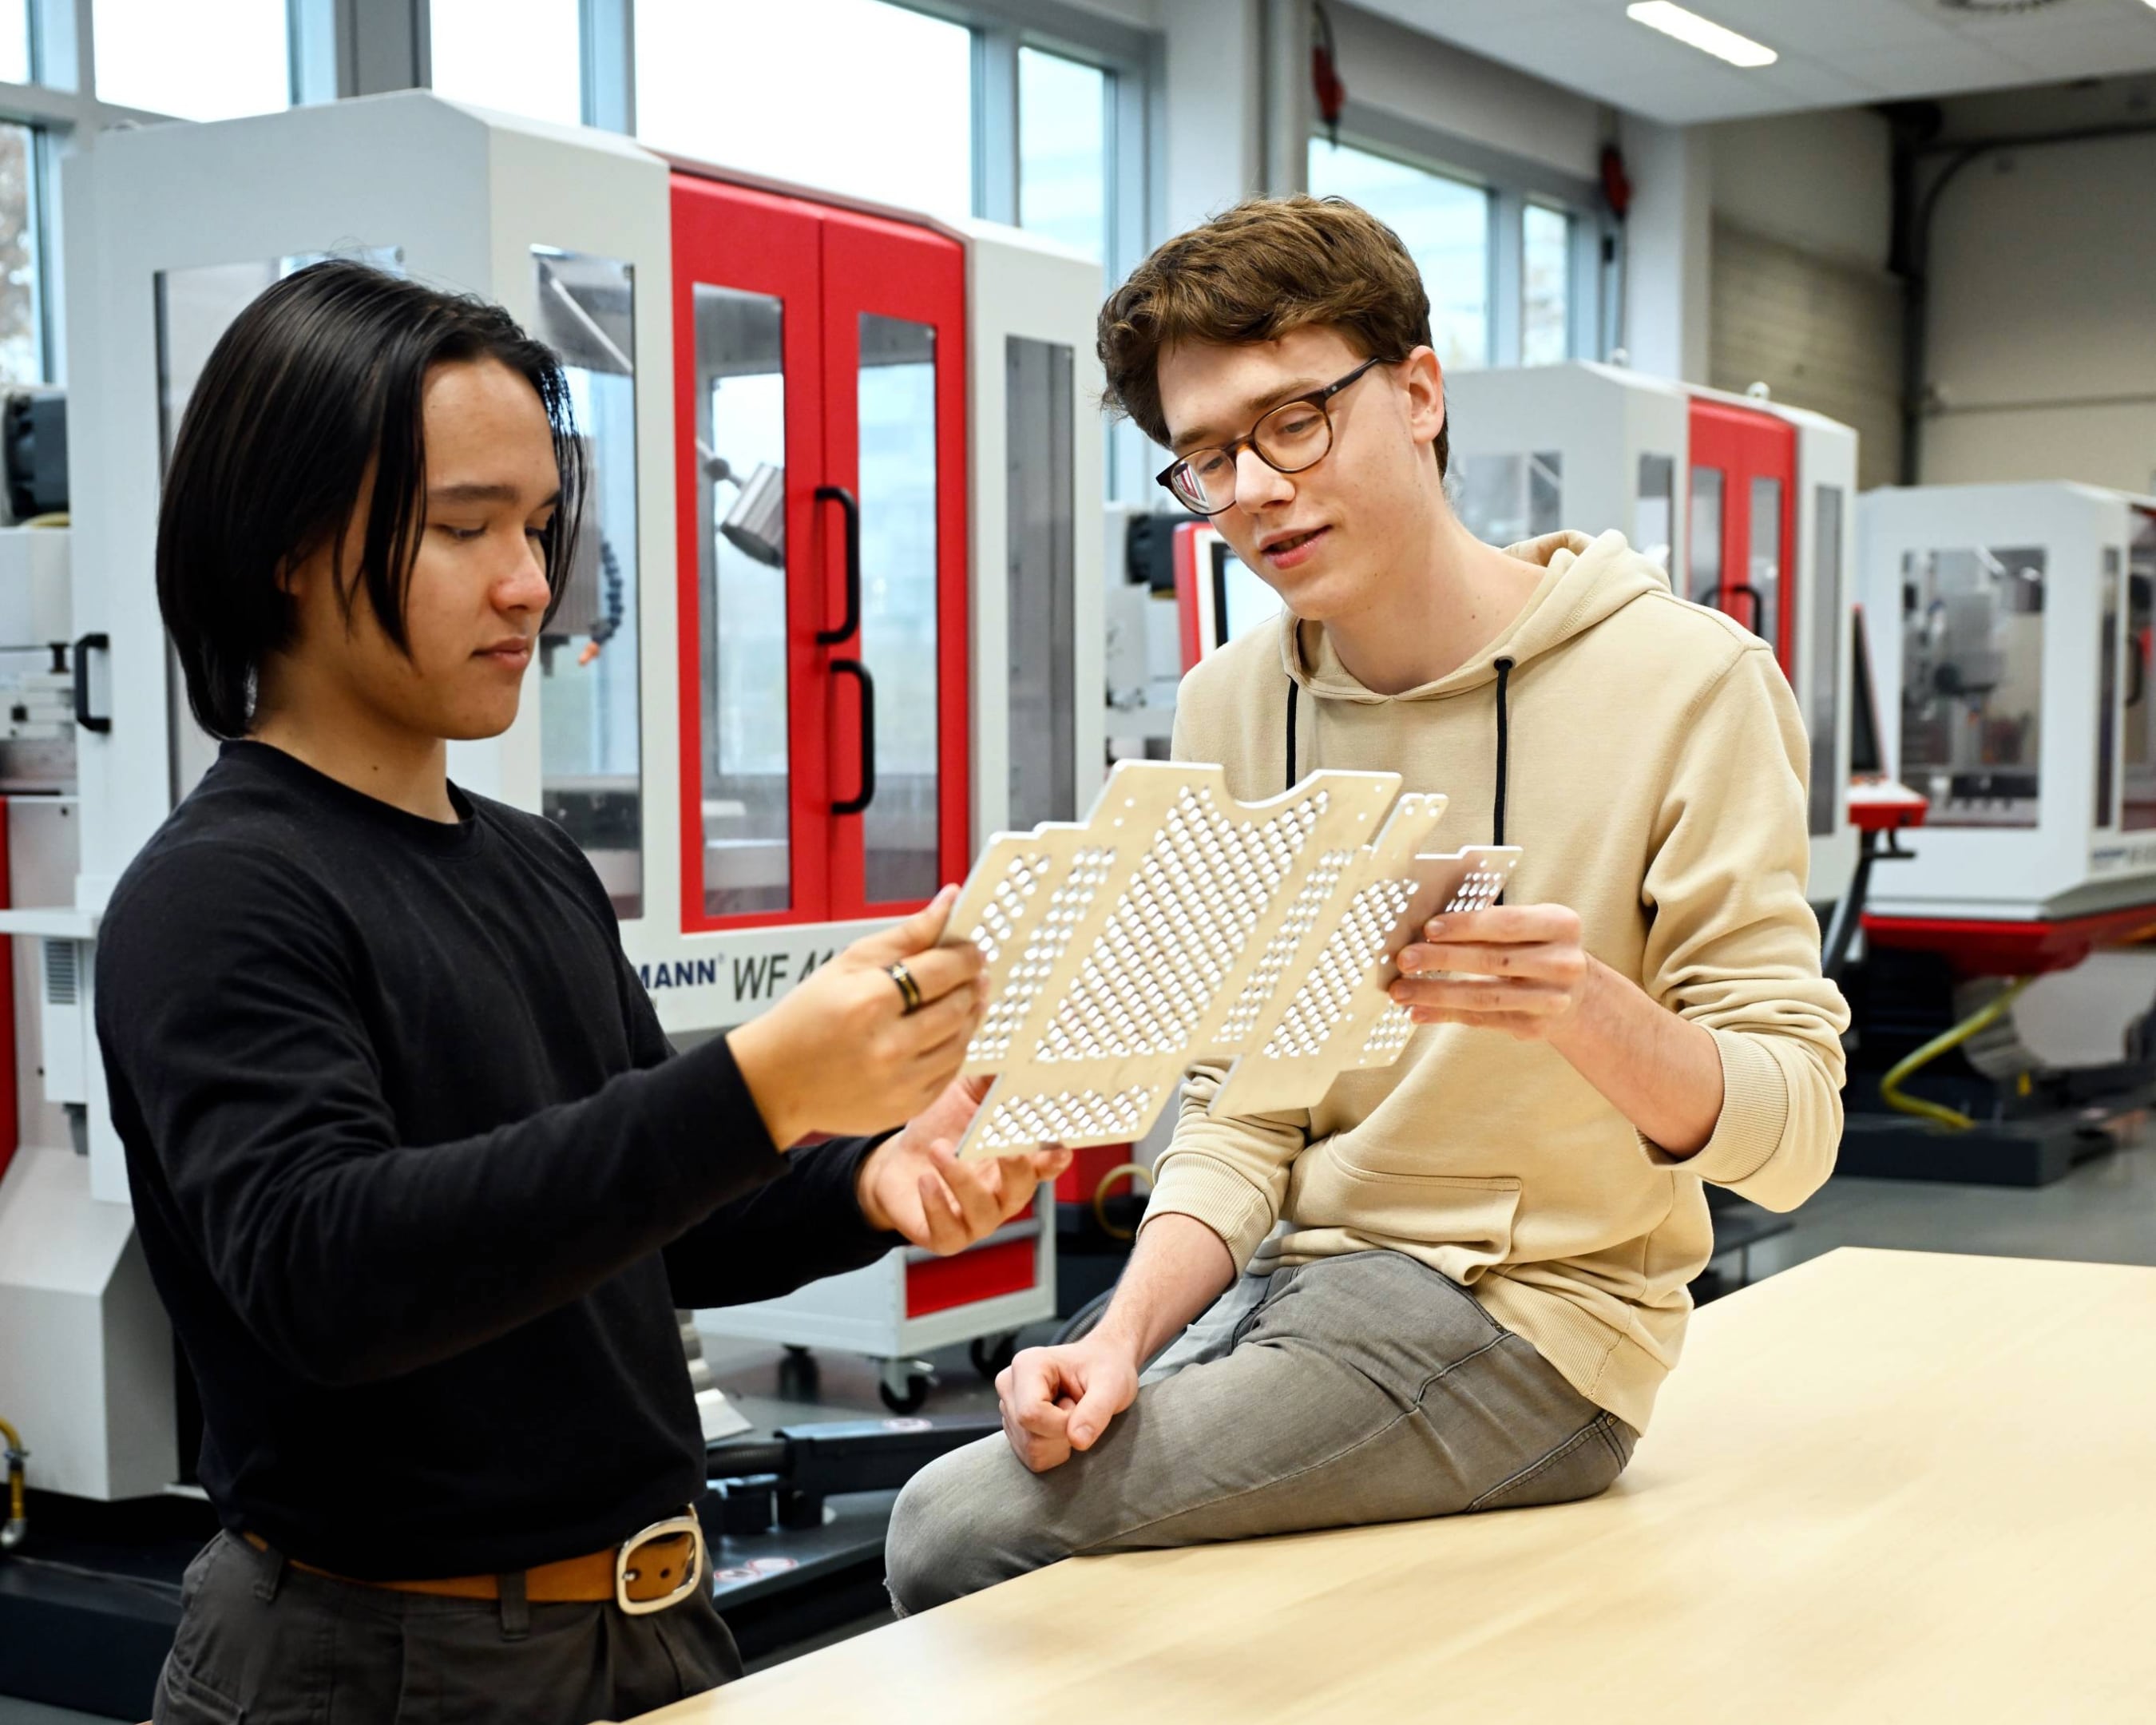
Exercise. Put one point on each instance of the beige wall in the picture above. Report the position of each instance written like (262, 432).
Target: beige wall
(1821, 181)
(1801, 298)
(2042, 348)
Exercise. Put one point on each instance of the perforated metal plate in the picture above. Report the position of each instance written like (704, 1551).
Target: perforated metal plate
(1176, 924)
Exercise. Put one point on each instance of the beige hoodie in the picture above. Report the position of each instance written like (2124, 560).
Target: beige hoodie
(1656, 785)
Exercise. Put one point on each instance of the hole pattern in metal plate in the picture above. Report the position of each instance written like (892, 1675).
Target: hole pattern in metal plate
(1204, 885)
(1477, 892)
(1356, 945)
(1066, 908)
(1067, 1117)
(1257, 993)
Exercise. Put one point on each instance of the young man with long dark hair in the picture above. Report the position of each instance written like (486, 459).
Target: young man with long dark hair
(417, 1173)
(1467, 1272)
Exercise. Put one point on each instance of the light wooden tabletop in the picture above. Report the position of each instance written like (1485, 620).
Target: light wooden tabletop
(1882, 1485)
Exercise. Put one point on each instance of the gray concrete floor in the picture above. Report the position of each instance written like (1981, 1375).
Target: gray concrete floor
(2104, 1212)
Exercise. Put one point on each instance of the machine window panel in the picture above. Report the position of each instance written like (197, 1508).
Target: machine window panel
(747, 765)
(520, 56)
(209, 59)
(22, 324)
(757, 116)
(1545, 285)
(193, 308)
(14, 42)
(2107, 676)
(1657, 517)
(1972, 682)
(1041, 592)
(1445, 224)
(2140, 718)
(1503, 499)
(1703, 536)
(1820, 668)
(1063, 161)
(1762, 572)
(591, 725)
(899, 601)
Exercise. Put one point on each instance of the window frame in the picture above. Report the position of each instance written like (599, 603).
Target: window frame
(348, 47)
(1514, 183)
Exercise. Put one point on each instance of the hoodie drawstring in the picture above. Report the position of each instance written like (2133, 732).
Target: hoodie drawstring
(1503, 667)
(1291, 691)
(1504, 670)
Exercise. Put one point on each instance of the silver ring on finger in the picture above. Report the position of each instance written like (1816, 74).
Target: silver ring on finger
(909, 990)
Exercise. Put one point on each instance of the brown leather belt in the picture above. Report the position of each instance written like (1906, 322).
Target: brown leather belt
(658, 1568)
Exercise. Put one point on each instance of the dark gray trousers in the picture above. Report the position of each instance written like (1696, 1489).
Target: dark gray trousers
(262, 1643)
(1359, 1388)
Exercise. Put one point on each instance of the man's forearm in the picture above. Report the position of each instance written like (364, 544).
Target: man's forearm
(1661, 1072)
(1179, 1268)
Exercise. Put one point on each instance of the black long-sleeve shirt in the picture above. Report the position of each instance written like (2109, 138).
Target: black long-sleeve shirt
(421, 1182)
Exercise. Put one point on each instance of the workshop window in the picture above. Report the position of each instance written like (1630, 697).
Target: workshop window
(1444, 222)
(22, 342)
(1545, 285)
(14, 42)
(1509, 248)
(728, 85)
(520, 56)
(1063, 150)
(209, 59)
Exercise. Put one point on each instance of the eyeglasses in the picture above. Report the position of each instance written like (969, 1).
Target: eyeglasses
(1295, 435)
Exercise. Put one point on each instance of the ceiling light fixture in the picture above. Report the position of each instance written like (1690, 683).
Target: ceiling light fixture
(1705, 34)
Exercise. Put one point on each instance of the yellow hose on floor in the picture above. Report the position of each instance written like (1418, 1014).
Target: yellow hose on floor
(1137, 1171)
(1982, 1018)
(18, 1522)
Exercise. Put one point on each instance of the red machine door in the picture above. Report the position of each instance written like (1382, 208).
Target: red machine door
(892, 610)
(1742, 540)
(756, 825)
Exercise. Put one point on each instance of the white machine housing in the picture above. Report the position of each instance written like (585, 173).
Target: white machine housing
(1674, 467)
(2011, 643)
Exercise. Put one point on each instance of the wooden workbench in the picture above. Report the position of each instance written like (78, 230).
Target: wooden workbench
(1883, 1487)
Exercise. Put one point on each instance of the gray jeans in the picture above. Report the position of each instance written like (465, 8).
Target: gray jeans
(262, 1643)
(1359, 1388)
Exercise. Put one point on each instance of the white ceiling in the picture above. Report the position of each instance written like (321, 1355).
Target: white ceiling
(1834, 53)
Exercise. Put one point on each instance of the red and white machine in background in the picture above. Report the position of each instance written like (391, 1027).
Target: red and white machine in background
(2012, 627)
(829, 635)
(1750, 505)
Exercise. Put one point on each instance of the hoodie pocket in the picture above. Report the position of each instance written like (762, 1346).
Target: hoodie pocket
(1462, 1225)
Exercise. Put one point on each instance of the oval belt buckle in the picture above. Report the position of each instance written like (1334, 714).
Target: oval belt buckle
(626, 1570)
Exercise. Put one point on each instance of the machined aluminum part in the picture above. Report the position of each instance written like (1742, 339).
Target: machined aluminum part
(1176, 924)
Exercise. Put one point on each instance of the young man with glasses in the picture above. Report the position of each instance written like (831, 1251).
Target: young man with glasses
(1457, 1282)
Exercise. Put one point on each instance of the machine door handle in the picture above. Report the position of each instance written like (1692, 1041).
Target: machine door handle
(850, 625)
(87, 644)
(1759, 605)
(853, 668)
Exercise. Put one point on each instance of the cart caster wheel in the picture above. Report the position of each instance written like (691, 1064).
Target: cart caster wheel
(991, 1354)
(903, 1384)
(907, 1401)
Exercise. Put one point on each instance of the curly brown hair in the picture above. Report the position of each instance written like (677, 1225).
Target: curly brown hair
(1259, 271)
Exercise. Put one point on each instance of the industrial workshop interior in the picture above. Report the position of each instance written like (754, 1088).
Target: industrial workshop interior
(958, 860)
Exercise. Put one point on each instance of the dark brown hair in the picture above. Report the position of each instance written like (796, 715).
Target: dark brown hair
(318, 381)
(1261, 270)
